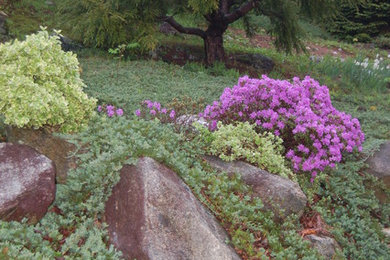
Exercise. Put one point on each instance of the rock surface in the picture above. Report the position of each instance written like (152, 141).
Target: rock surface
(152, 214)
(257, 61)
(276, 192)
(380, 163)
(379, 166)
(27, 183)
(326, 246)
(186, 121)
(56, 148)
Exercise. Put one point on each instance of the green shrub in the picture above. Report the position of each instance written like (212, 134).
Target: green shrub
(382, 42)
(40, 85)
(363, 37)
(369, 17)
(241, 142)
(108, 23)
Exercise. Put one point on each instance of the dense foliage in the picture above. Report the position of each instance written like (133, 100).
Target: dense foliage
(241, 142)
(73, 228)
(40, 85)
(315, 134)
(109, 23)
(361, 22)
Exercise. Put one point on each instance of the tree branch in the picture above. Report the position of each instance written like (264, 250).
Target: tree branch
(240, 12)
(182, 29)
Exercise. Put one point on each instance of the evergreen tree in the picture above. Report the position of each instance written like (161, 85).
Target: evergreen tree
(109, 22)
(369, 18)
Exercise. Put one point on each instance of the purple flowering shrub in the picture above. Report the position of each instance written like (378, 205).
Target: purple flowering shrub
(314, 133)
(110, 110)
(151, 110)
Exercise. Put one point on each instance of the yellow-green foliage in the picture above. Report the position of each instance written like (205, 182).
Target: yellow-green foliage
(234, 142)
(40, 85)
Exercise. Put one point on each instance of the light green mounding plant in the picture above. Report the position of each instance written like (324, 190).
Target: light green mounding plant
(40, 85)
(241, 142)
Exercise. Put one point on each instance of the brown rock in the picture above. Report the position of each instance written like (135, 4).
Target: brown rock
(326, 246)
(55, 148)
(281, 195)
(152, 214)
(27, 183)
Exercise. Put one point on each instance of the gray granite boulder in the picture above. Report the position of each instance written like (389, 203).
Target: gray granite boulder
(326, 246)
(379, 166)
(283, 196)
(27, 183)
(152, 214)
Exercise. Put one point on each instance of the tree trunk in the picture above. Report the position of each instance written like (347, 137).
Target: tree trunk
(213, 44)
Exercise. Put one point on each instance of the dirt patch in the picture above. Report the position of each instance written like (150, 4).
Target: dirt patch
(314, 49)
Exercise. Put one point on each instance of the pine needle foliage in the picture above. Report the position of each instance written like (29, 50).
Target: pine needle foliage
(109, 23)
(369, 18)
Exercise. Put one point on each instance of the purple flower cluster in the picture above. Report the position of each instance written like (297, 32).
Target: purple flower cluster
(110, 110)
(155, 110)
(315, 134)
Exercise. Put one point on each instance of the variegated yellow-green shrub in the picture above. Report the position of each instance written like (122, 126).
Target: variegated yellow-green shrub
(40, 85)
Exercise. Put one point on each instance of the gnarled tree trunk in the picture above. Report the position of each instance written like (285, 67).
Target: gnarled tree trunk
(213, 43)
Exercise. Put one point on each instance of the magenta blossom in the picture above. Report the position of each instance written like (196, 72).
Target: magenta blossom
(315, 134)
(119, 112)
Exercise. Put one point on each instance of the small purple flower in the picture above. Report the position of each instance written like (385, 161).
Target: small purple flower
(172, 114)
(152, 112)
(99, 108)
(164, 111)
(138, 112)
(110, 113)
(119, 112)
(110, 108)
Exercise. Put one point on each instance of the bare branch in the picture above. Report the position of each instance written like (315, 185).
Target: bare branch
(240, 12)
(182, 29)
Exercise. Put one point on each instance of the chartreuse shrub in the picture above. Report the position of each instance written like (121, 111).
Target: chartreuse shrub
(315, 134)
(40, 85)
(242, 142)
(76, 231)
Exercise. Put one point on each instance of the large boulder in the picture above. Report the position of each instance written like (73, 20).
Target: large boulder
(55, 148)
(152, 214)
(326, 246)
(27, 183)
(379, 163)
(281, 195)
(379, 166)
(257, 61)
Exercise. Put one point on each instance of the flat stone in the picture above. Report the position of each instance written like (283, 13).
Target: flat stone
(281, 195)
(27, 183)
(55, 148)
(152, 214)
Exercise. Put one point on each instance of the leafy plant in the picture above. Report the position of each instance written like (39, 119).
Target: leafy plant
(40, 85)
(237, 142)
